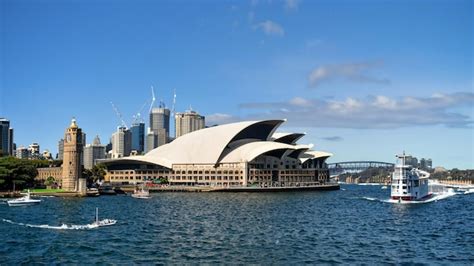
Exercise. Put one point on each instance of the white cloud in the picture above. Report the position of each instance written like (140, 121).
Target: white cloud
(219, 119)
(298, 101)
(292, 4)
(270, 28)
(357, 72)
(370, 112)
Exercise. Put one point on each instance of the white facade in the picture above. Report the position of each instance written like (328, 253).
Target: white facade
(121, 143)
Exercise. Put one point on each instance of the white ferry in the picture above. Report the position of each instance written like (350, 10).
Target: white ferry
(408, 182)
(26, 200)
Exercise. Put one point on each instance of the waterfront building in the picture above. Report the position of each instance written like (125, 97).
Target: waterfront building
(45, 172)
(73, 148)
(6, 138)
(93, 152)
(239, 154)
(60, 149)
(187, 122)
(121, 143)
(22, 153)
(138, 137)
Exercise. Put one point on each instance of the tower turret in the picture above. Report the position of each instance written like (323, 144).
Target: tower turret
(72, 157)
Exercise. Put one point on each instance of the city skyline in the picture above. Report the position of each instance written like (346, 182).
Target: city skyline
(359, 81)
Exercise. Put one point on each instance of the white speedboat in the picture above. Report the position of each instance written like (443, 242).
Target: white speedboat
(408, 182)
(141, 193)
(26, 200)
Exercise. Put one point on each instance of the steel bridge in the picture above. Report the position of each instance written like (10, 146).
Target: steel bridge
(356, 166)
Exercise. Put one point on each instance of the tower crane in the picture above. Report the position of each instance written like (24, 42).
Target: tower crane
(137, 118)
(152, 99)
(119, 115)
(174, 102)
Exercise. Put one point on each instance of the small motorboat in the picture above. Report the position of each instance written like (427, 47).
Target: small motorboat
(26, 200)
(141, 193)
(384, 187)
(469, 191)
(104, 222)
(92, 192)
(107, 190)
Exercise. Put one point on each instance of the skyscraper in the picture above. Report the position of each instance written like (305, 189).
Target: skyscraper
(60, 149)
(6, 138)
(73, 146)
(121, 143)
(138, 137)
(22, 153)
(92, 152)
(187, 122)
(34, 150)
(159, 127)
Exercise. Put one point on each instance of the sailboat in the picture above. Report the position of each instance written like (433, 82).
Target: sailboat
(104, 222)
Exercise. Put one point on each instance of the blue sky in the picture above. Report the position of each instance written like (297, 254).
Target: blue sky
(364, 79)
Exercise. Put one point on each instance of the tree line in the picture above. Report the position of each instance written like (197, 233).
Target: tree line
(20, 173)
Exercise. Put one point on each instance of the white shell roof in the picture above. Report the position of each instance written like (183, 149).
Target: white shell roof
(235, 142)
(314, 155)
(294, 137)
(250, 151)
(204, 146)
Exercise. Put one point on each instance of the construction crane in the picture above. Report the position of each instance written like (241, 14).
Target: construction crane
(152, 99)
(119, 115)
(174, 102)
(137, 118)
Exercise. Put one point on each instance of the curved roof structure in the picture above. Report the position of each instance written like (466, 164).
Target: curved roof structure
(230, 143)
(207, 145)
(314, 155)
(250, 151)
(288, 138)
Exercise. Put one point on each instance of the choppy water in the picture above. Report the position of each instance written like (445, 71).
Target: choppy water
(268, 228)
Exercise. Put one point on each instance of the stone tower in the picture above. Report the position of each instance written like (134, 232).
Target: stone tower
(72, 157)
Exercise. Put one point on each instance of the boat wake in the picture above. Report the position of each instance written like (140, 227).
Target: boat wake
(93, 225)
(434, 198)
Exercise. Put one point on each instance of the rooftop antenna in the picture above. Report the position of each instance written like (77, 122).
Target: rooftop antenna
(152, 99)
(119, 115)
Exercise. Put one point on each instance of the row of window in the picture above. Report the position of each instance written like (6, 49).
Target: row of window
(207, 178)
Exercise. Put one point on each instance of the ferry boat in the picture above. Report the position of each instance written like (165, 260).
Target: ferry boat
(141, 193)
(408, 182)
(26, 200)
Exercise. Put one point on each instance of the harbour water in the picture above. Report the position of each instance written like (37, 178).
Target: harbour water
(260, 228)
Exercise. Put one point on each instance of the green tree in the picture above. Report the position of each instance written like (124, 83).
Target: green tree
(17, 171)
(49, 181)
